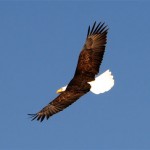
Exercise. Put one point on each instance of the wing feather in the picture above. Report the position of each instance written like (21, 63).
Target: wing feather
(97, 28)
(93, 27)
(92, 53)
(58, 104)
(88, 31)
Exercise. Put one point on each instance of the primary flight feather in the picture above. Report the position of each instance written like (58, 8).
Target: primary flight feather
(88, 65)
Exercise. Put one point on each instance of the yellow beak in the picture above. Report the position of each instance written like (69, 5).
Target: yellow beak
(59, 91)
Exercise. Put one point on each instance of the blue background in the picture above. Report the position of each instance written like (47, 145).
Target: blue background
(39, 47)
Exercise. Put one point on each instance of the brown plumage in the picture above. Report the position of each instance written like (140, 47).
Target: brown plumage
(88, 65)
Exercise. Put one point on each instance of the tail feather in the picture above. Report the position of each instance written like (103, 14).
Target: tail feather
(102, 83)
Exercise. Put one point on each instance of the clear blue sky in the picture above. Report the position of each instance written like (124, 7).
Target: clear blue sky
(39, 47)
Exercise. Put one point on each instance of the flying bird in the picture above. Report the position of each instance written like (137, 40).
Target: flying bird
(84, 79)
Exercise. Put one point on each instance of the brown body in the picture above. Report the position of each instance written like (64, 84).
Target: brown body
(88, 65)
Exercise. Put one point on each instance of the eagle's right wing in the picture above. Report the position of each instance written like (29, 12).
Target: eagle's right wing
(58, 104)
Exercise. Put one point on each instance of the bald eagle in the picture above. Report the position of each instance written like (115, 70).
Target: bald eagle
(84, 79)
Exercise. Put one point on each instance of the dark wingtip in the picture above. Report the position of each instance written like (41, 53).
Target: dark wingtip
(37, 117)
(97, 29)
(93, 27)
(88, 31)
(33, 116)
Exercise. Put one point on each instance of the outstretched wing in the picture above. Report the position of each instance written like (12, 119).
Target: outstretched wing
(61, 102)
(92, 53)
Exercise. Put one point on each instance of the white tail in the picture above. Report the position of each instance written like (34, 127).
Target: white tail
(102, 83)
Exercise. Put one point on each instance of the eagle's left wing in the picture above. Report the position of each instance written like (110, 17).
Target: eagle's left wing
(92, 53)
